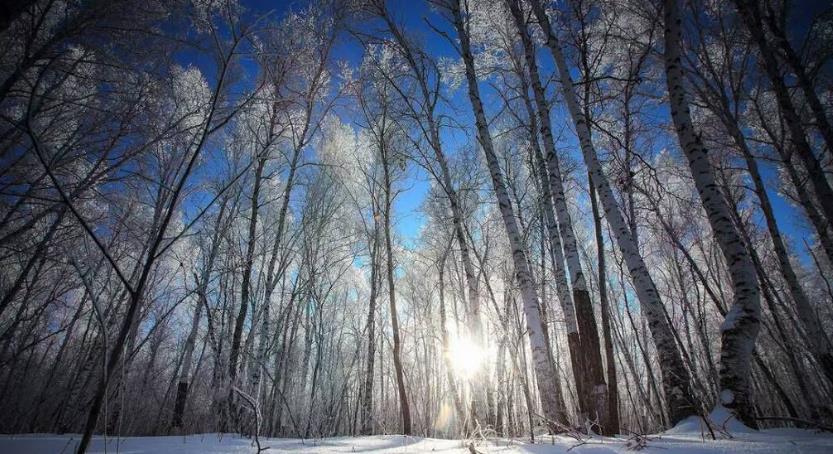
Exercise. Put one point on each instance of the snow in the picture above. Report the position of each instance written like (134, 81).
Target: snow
(723, 423)
(727, 397)
(685, 438)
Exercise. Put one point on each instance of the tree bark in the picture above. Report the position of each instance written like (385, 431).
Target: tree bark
(819, 343)
(202, 301)
(543, 367)
(675, 376)
(741, 325)
(431, 132)
(553, 193)
(612, 381)
(772, 18)
(245, 287)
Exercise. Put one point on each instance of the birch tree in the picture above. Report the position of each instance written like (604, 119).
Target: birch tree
(740, 328)
(543, 367)
(674, 374)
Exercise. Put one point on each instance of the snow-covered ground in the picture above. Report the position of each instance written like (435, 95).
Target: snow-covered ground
(686, 440)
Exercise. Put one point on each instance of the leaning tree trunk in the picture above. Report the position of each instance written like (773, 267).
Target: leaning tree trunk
(202, 288)
(675, 376)
(742, 322)
(751, 15)
(549, 192)
(824, 234)
(431, 132)
(185, 371)
(544, 370)
(557, 262)
(802, 77)
(593, 390)
(263, 344)
(37, 255)
(819, 343)
(135, 294)
(785, 151)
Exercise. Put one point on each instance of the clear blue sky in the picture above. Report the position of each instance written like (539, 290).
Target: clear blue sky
(412, 13)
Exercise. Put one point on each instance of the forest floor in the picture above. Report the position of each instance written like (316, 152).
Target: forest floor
(691, 436)
(672, 441)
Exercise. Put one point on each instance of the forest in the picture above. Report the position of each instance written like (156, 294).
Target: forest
(456, 219)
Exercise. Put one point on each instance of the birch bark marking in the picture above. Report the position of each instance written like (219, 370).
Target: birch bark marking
(675, 376)
(579, 311)
(612, 381)
(819, 344)
(741, 324)
(557, 263)
(543, 368)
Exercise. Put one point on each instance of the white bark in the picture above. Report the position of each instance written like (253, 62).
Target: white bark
(675, 375)
(553, 191)
(260, 354)
(543, 367)
(751, 14)
(741, 325)
(818, 343)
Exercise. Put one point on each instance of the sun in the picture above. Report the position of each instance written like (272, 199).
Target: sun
(466, 356)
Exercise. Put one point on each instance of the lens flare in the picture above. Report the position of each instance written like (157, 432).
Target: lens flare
(466, 356)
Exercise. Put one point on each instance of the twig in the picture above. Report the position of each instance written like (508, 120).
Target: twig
(256, 409)
(814, 424)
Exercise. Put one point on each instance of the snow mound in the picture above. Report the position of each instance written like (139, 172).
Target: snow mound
(725, 420)
(721, 420)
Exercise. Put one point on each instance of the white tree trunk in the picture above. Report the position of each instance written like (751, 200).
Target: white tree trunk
(543, 367)
(367, 390)
(675, 376)
(588, 368)
(818, 342)
(740, 327)
(260, 354)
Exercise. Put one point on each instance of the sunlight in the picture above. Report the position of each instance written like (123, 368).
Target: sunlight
(466, 356)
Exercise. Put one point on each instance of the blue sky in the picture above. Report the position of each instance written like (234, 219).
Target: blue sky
(412, 13)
